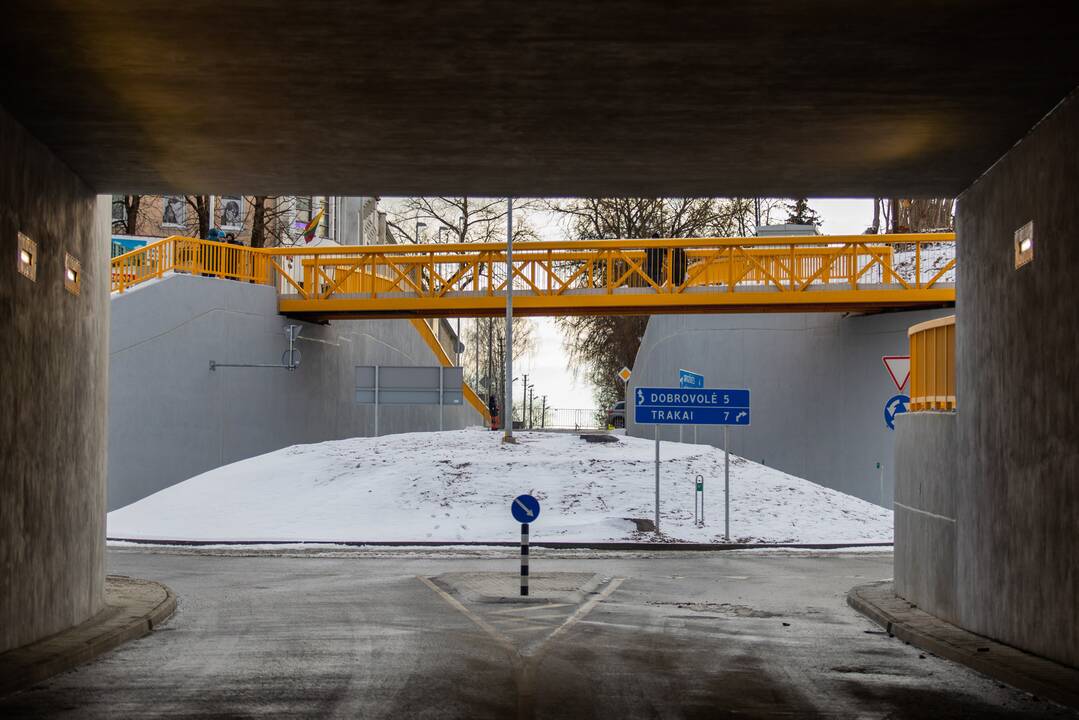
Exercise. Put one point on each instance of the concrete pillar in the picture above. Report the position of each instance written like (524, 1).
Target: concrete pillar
(1017, 357)
(53, 363)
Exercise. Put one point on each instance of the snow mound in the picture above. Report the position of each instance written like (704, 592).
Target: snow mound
(457, 486)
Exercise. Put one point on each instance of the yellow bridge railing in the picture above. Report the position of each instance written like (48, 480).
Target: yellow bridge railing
(851, 272)
(932, 365)
(620, 276)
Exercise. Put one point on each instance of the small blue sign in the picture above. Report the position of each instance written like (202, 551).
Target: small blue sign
(690, 380)
(525, 508)
(704, 406)
(895, 405)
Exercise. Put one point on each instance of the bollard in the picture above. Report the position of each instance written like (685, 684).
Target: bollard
(698, 501)
(524, 559)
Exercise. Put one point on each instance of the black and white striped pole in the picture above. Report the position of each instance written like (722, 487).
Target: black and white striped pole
(524, 559)
(525, 509)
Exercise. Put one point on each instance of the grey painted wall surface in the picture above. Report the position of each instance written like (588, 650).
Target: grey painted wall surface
(170, 417)
(818, 388)
(925, 511)
(52, 394)
(1017, 344)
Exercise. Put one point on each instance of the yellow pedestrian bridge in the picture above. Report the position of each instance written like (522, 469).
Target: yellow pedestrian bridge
(609, 277)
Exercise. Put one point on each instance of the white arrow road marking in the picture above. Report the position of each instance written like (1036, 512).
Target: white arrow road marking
(523, 507)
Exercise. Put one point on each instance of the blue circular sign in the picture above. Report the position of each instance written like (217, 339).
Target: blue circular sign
(896, 404)
(525, 508)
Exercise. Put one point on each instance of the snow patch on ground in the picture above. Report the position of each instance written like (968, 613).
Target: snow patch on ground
(457, 486)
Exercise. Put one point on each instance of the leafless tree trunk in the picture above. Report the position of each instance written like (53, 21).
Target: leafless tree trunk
(201, 205)
(258, 221)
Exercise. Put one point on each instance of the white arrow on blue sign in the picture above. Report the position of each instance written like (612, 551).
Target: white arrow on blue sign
(679, 406)
(690, 379)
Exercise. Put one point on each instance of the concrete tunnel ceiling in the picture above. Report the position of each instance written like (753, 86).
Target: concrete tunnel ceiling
(769, 97)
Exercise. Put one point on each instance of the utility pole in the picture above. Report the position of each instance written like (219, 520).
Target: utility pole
(543, 412)
(530, 404)
(508, 424)
(524, 397)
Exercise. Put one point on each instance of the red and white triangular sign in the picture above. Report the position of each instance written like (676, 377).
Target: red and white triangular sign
(899, 368)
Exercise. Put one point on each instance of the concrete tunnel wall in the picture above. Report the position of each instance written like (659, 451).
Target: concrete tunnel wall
(1017, 354)
(818, 388)
(53, 394)
(990, 535)
(171, 418)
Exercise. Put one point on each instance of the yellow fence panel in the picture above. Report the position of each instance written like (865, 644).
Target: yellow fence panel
(932, 365)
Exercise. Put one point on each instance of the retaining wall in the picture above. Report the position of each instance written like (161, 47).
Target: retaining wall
(170, 417)
(818, 388)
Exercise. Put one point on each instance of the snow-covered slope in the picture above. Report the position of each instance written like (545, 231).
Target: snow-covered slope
(457, 486)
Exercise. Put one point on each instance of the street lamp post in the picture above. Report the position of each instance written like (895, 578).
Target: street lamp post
(508, 423)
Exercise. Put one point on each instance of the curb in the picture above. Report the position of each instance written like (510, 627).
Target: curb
(134, 609)
(1031, 673)
(553, 544)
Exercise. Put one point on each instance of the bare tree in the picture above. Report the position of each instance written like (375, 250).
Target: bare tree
(198, 223)
(599, 346)
(485, 358)
(913, 215)
(134, 214)
(271, 220)
(465, 219)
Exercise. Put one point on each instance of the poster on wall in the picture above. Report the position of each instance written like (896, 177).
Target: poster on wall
(174, 211)
(232, 215)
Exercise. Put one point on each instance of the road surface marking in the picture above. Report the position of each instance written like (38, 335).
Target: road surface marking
(480, 622)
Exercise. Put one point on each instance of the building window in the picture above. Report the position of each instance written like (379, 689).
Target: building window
(232, 212)
(303, 208)
(119, 209)
(173, 211)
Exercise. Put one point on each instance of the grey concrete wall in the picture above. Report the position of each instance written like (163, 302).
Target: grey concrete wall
(52, 394)
(925, 511)
(818, 388)
(170, 417)
(1017, 343)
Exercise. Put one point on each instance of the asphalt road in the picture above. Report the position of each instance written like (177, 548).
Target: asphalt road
(676, 635)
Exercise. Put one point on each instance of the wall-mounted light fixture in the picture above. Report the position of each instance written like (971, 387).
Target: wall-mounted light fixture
(27, 259)
(1024, 245)
(72, 274)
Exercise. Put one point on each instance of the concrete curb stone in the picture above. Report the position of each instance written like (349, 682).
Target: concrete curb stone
(1034, 674)
(133, 608)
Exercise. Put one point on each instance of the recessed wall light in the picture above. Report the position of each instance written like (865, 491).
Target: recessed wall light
(72, 274)
(27, 258)
(1024, 245)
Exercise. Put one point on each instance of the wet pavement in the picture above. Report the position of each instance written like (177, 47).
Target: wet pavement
(393, 635)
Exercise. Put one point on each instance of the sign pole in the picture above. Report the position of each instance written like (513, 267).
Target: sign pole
(524, 559)
(657, 479)
(726, 483)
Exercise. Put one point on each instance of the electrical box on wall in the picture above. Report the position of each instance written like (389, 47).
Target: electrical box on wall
(1024, 245)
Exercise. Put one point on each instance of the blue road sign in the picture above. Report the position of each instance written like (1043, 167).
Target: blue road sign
(525, 508)
(687, 379)
(895, 405)
(704, 406)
